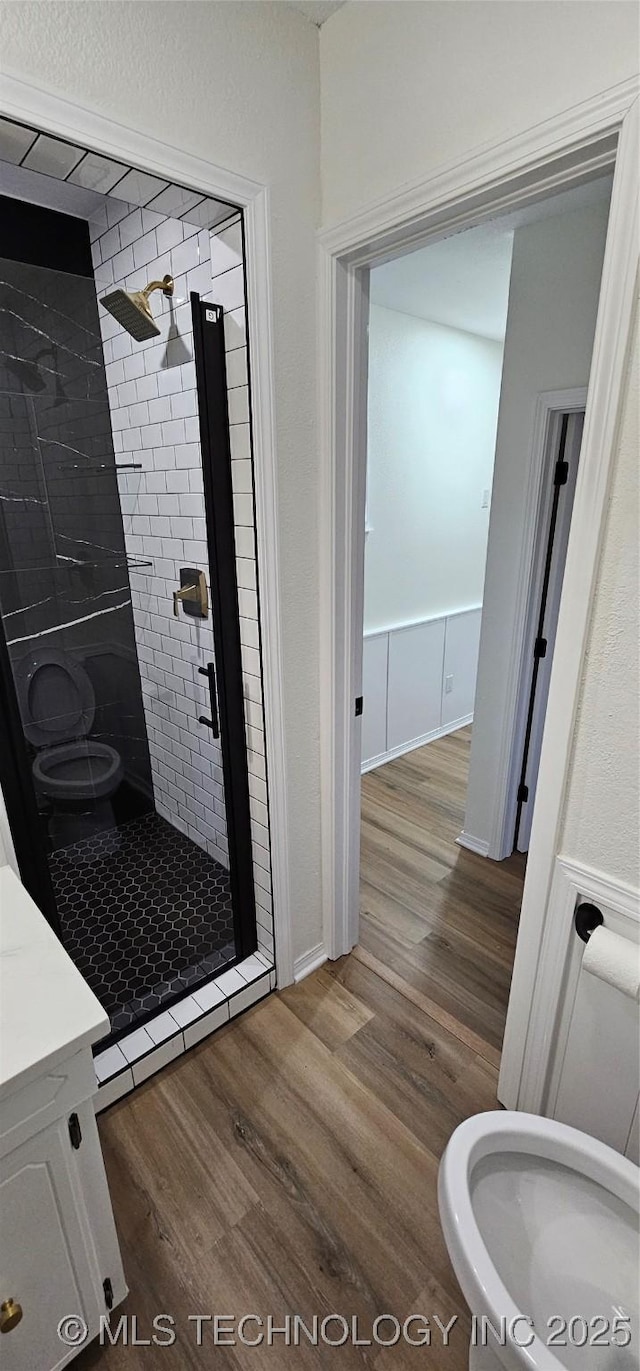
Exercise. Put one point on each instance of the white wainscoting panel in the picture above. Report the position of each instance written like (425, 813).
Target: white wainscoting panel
(461, 646)
(374, 689)
(416, 657)
(598, 1087)
(595, 1061)
(404, 679)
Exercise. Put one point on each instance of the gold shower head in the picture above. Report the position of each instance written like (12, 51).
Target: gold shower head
(132, 309)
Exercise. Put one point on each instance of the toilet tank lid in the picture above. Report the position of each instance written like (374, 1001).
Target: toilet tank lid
(57, 700)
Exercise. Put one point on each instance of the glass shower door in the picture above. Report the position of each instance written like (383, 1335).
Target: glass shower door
(120, 655)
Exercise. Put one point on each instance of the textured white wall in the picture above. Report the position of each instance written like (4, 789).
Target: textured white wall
(407, 86)
(553, 300)
(433, 410)
(602, 820)
(237, 84)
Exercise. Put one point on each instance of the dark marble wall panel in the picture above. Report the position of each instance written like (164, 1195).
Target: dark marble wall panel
(64, 579)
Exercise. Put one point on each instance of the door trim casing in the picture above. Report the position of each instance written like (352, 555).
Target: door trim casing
(549, 403)
(570, 148)
(51, 113)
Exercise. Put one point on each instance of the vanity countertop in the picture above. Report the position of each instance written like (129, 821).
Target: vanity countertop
(47, 1010)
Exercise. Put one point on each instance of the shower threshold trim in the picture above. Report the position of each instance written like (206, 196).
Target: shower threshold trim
(138, 1055)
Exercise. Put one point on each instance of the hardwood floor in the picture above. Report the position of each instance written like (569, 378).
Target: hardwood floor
(436, 915)
(288, 1166)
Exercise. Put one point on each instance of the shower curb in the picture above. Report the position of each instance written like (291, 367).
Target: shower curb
(139, 1054)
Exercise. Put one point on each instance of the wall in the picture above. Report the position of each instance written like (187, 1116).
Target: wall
(407, 87)
(418, 683)
(154, 413)
(239, 86)
(433, 410)
(602, 820)
(553, 300)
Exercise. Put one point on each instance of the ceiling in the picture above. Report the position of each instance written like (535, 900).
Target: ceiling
(318, 10)
(462, 282)
(51, 171)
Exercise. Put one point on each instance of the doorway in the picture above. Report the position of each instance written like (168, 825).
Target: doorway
(519, 173)
(457, 360)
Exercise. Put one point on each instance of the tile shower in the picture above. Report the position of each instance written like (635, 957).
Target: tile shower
(110, 478)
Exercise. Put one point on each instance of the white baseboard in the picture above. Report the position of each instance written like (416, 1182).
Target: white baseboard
(477, 845)
(309, 961)
(400, 751)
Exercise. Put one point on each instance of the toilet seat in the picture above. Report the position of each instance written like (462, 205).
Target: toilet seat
(85, 769)
(57, 700)
(539, 1217)
(58, 706)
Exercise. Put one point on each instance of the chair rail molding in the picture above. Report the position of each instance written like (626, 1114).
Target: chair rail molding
(51, 113)
(570, 148)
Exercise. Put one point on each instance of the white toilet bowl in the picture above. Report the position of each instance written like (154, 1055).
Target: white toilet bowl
(541, 1224)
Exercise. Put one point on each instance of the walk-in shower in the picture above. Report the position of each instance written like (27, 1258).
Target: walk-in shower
(132, 756)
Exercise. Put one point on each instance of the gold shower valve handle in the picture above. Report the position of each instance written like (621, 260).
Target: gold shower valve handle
(185, 593)
(10, 1315)
(192, 594)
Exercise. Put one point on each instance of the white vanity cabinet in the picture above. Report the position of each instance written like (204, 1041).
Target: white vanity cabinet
(59, 1255)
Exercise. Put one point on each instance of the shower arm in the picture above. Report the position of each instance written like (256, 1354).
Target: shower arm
(165, 285)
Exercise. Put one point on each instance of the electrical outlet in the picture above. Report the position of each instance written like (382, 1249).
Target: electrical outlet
(485, 499)
(448, 685)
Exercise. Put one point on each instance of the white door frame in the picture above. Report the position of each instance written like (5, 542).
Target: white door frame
(28, 104)
(550, 404)
(557, 154)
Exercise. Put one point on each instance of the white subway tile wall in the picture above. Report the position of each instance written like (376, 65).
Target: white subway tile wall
(154, 414)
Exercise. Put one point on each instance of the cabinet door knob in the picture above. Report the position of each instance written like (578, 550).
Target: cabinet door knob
(10, 1315)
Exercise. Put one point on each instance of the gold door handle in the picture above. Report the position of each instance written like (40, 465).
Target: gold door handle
(10, 1315)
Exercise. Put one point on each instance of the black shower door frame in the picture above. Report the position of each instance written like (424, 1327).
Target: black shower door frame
(215, 448)
(226, 680)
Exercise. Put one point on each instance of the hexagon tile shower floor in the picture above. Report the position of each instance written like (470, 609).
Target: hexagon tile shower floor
(145, 914)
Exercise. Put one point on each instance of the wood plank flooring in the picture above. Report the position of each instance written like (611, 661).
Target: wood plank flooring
(288, 1166)
(436, 915)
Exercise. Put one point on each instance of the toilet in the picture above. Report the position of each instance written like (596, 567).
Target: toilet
(57, 704)
(541, 1225)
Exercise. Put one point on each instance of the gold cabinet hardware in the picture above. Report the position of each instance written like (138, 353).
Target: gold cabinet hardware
(10, 1315)
(193, 594)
